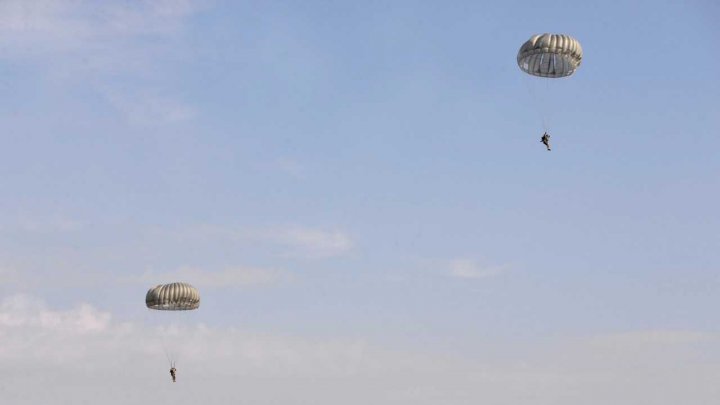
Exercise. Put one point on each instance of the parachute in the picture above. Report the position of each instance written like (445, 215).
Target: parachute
(550, 55)
(173, 297)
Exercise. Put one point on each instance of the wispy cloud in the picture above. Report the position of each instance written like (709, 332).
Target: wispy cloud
(471, 269)
(651, 338)
(52, 224)
(231, 277)
(311, 243)
(146, 108)
(293, 241)
(291, 167)
(37, 28)
(117, 48)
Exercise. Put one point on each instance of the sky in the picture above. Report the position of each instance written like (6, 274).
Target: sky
(359, 193)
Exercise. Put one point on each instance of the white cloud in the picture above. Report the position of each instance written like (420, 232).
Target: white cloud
(230, 277)
(82, 354)
(471, 269)
(26, 311)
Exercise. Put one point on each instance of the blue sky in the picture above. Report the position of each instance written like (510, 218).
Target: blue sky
(335, 176)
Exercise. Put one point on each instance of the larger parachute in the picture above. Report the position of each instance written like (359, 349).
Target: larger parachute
(550, 55)
(173, 297)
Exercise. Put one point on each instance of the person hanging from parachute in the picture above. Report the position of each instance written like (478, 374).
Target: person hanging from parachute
(546, 140)
(550, 56)
(173, 297)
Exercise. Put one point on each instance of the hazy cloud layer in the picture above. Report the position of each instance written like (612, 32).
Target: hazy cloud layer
(81, 354)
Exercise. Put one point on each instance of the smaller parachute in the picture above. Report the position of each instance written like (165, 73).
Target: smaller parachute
(550, 55)
(173, 297)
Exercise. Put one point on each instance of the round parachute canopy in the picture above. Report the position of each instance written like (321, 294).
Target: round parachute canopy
(173, 297)
(550, 55)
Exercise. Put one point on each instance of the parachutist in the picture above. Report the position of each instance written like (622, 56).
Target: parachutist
(546, 140)
(172, 297)
(550, 56)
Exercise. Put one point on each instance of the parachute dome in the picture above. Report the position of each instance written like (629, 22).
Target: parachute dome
(550, 55)
(173, 297)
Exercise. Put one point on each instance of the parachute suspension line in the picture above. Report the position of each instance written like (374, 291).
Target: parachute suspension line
(169, 356)
(546, 112)
(168, 353)
(538, 104)
(160, 335)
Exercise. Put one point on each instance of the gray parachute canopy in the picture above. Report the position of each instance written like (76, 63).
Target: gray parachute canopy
(173, 297)
(550, 55)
